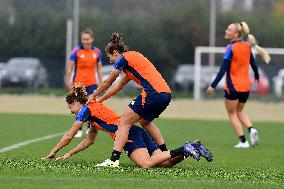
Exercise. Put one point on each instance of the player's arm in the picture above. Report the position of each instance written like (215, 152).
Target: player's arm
(91, 137)
(100, 71)
(68, 75)
(222, 71)
(65, 140)
(254, 67)
(114, 89)
(105, 84)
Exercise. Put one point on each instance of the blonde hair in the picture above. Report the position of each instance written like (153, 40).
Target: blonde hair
(243, 30)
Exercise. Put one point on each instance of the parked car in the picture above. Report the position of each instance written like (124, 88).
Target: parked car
(278, 83)
(25, 72)
(184, 79)
(107, 69)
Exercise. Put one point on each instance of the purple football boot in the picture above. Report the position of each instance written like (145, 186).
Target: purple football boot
(189, 150)
(202, 150)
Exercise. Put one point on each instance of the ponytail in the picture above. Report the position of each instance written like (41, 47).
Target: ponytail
(116, 43)
(251, 39)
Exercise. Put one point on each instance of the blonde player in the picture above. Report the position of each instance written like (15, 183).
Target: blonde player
(237, 59)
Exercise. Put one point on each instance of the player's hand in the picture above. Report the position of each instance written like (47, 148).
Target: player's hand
(64, 157)
(49, 156)
(90, 99)
(256, 77)
(68, 86)
(210, 90)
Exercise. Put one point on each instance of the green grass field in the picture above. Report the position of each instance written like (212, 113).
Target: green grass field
(260, 167)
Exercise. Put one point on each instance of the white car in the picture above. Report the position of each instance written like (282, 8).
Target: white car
(278, 81)
(131, 85)
(184, 77)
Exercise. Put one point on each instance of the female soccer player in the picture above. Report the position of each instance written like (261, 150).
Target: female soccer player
(153, 100)
(237, 59)
(87, 60)
(141, 149)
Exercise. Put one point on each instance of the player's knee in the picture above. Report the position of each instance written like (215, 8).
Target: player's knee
(145, 164)
(144, 123)
(125, 123)
(239, 113)
(231, 111)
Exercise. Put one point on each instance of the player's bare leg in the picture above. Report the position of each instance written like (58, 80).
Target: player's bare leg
(231, 107)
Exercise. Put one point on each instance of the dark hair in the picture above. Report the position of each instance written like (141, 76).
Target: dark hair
(88, 31)
(78, 93)
(116, 43)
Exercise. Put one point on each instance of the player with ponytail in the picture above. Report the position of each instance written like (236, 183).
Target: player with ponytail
(237, 59)
(153, 100)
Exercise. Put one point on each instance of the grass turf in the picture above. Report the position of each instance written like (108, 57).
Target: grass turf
(260, 167)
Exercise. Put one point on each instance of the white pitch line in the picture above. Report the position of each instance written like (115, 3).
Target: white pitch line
(27, 142)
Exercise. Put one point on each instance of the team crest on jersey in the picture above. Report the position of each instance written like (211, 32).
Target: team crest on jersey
(82, 56)
(94, 56)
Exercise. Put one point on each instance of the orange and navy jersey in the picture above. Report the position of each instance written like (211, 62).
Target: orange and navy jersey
(237, 59)
(100, 117)
(85, 65)
(142, 71)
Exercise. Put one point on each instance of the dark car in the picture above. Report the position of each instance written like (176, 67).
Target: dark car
(25, 72)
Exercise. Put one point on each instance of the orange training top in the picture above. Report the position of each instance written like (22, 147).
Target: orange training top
(85, 65)
(138, 68)
(237, 59)
(100, 116)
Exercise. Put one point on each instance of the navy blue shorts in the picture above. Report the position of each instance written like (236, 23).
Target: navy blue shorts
(241, 96)
(90, 89)
(140, 139)
(154, 105)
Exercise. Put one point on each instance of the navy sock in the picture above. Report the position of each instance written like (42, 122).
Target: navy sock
(176, 152)
(250, 128)
(242, 138)
(163, 147)
(115, 155)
